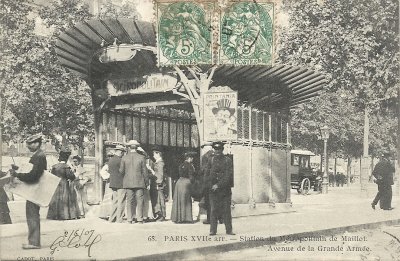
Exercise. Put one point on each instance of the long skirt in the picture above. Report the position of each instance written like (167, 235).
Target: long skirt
(63, 205)
(182, 202)
(81, 192)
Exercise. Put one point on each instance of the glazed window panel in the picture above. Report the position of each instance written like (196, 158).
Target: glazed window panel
(266, 126)
(120, 127)
(195, 136)
(260, 126)
(284, 130)
(136, 128)
(152, 131)
(240, 123)
(279, 128)
(159, 132)
(274, 137)
(253, 125)
(246, 119)
(179, 134)
(128, 127)
(143, 131)
(186, 135)
(111, 127)
(165, 133)
(172, 131)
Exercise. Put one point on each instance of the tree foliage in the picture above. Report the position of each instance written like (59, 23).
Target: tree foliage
(354, 43)
(39, 94)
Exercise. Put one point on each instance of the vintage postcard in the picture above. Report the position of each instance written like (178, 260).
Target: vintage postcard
(199, 130)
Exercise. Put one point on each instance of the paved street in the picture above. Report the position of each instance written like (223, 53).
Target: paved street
(373, 244)
(343, 209)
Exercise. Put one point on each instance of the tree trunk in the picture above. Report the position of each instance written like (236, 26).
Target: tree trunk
(364, 172)
(348, 170)
(321, 162)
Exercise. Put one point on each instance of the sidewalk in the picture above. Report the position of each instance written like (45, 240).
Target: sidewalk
(343, 209)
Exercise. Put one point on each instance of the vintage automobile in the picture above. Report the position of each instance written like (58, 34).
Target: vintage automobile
(303, 177)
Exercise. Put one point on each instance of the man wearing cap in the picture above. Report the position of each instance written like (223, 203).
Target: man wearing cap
(219, 177)
(135, 181)
(157, 189)
(383, 176)
(39, 165)
(116, 184)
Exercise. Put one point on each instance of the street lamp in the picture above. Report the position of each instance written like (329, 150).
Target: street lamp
(325, 137)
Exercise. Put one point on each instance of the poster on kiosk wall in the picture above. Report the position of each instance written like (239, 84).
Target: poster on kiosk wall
(220, 116)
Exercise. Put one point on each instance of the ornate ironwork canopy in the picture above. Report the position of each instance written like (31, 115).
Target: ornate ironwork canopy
(80, 47)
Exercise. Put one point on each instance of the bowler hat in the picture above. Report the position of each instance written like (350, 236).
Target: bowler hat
(119, 147)
(157, 149)
(218, 145)
(133, 143)
(34, 138)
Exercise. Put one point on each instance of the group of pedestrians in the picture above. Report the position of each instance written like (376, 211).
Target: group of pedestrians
(133, 174)
(336, 180)
(134, 179)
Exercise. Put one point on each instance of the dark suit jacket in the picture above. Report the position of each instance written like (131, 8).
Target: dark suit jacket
(116, 178)
(384, 170)
(39, 162)
(133, 168)
(158, 168)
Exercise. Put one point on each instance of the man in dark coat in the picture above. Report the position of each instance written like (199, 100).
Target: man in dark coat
(219, 179)
(383, 175)
(39, 165)
(116, 184)
(136, 180)
(156, 169)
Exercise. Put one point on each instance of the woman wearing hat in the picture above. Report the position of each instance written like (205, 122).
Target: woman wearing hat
(182, 201)
(64, 203)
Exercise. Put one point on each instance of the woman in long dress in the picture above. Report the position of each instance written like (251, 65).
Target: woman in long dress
(80, 185)
(63, 205)
(182, 201)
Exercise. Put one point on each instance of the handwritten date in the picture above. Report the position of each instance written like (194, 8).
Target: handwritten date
(77, 238)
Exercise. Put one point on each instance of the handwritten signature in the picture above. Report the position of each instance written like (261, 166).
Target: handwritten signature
(76, 238)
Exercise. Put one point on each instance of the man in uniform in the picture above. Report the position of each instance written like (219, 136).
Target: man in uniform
(383, 176)
(205, 202)
(39, 165)
(219, 177)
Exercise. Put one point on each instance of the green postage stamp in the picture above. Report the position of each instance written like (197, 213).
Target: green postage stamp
(246, 33)
(184, 33)
(200, 32)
